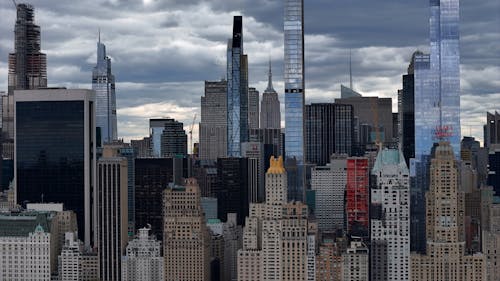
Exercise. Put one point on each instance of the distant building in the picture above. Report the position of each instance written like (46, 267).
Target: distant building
(76, 264)
(445, 211)
(173, 139)
(213, 124)
(273, 141)
(253, 108)
(492, 129)
(186, 239)
(270, 110)
(209, 205)
(357, 196)
(233, 241)
(111, 226)
(22, 235)
(330, 183)
(254, 152)
(494, 168)
(389, 218)
(142, 147)
(491, 239)
(47, 167)
(355, 266)
(103, 83)
(329, 261)
(143, 260)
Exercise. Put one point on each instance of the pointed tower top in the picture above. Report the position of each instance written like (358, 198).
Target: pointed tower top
(270, 88)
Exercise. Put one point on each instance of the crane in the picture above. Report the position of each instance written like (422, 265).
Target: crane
(191, 134)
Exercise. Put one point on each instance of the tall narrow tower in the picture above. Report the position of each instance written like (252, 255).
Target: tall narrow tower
(294, 97)
(237, 91)
(270, 113)
(103, 83)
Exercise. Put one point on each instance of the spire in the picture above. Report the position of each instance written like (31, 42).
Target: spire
(350, 69)
(270, 79)
(99, 34)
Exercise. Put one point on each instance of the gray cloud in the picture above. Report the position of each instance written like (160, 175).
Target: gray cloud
(163, 50)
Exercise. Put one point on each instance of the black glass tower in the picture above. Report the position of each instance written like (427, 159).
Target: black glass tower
(232, 188)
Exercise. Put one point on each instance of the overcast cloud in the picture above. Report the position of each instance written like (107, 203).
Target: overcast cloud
(163, 50)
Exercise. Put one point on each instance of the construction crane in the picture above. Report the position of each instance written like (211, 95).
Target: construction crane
(191, 134)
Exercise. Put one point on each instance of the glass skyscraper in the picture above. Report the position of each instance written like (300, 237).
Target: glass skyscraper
(294, 97)
(103, 83)
(437, 103)
(237, 91)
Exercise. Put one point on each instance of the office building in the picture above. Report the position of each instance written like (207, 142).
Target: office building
(329, 129)
(294, 98)
(103, 83)
(491, 238)
(186, 239)
(142, 148)
(25, 246)
(156, 127)
(75, 263)
(357, 193)
(494, 168)
(232, 188)
(273, 141)
(205, 172)
(49, 168)
(237, 91)
(355, 262)
(270, 110)
(213, 125)
(330, 182)
(152, 176)
(143, 260)
(348, 92)
(389, 217)
(254, 152)
(492, 129)
(173, 139)
(27, 66)
(128, 152)
(233, 241)
(253, 108)
(445, 257)
(111, 213)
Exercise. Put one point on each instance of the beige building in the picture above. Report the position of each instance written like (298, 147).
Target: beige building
(186, 238)
(445, 210)
(275, 234)
(491, 241)
(355, 262)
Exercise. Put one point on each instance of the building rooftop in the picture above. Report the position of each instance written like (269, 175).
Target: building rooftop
(390, 157)
(21, 224)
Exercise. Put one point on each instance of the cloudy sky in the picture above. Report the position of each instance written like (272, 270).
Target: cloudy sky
(163, 50)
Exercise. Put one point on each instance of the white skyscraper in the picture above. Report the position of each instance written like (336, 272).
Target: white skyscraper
(103, 83)
(390, 212)
(143, 261)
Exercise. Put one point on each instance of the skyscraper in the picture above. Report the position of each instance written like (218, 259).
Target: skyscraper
(237, 91)
(186, 239)
(253, 108)
(103, 83)
(492, 129)
(389, 218)
(156, 127)
(445, 209)
(270, 111)
(357, 193)
(173, 139)
(27, 65)
(437, 103)
(294, 97)
(110, 211)
(49, 168)
(213, 125)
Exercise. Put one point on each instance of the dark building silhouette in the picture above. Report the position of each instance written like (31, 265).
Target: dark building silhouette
(152, 176)
(173, 139)
(232, 188)
(492, 129)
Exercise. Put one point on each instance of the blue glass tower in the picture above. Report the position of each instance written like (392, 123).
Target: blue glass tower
(437, 104)
(294, 97)
(103, 83)
(237, 91)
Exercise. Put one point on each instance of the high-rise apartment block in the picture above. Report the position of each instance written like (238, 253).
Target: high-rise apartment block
(445, 257)
(270, 111)
(111, 213)
(294, 97)
(213, 125)
(390, 218)
(27, 65)
(49, 168)
(330, 182)
(186, 239)
(103, 83)
(237, 91)
(143, 260)
(355, 266)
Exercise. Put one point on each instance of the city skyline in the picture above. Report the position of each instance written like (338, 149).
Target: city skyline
(142, 68)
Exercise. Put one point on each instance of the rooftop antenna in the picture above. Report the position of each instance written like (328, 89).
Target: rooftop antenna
(99, 34)
(15, 4)
(350, 69)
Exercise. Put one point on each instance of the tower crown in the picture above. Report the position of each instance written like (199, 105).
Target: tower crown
(276, 166)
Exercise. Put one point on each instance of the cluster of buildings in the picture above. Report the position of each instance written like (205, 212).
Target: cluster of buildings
(348, 190)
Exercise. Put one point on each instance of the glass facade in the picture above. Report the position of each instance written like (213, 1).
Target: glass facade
(237, 91)
(294, 97)
(51, 168)
(103, 83)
